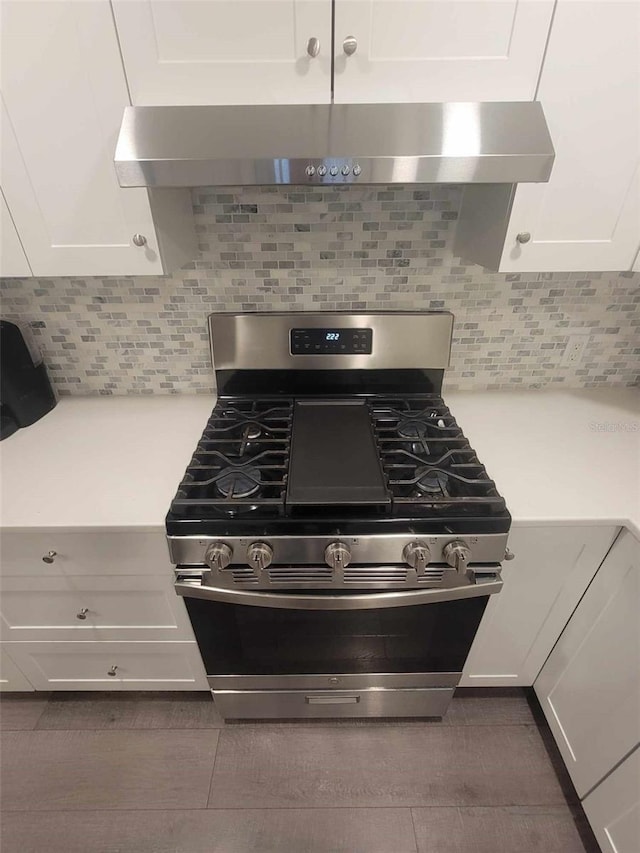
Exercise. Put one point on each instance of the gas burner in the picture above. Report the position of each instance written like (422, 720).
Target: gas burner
(239, 482)
(412, 428)
(431, 481)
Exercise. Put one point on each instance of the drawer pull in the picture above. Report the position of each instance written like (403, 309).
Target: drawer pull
(82, 614)
(49, 557)
(112, 671)
(332, 700)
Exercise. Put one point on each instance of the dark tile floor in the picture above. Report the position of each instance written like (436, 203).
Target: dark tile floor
(162, 773)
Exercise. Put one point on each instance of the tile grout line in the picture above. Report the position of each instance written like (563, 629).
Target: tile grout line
(213, 769)
(413, 825)
(457, 806)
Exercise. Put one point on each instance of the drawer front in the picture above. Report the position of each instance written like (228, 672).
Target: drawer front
(110, 666)
(86, 553)
(92, 608)
(11, 679)
(295, 704)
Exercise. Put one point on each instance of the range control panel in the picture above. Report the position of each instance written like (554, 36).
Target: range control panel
(331, 341)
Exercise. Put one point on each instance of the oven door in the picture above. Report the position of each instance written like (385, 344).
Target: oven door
(294, 654)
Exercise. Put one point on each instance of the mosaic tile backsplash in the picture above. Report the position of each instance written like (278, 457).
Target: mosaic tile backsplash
(346, 248)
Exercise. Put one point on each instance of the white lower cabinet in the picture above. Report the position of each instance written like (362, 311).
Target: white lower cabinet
(85, 607)
(11, 679)
(110, 665)
(589, 688)
(613, 808)
(542, 586)
(51, 552)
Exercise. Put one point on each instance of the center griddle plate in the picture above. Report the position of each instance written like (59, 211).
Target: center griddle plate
(334, 458)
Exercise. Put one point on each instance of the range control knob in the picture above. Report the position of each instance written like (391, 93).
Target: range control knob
(457, 554)
(417, 555)
(218, 555)
(337, 555)
(259, 555)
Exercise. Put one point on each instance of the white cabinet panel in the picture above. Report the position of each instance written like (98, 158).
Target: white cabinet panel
(542, 586)
(92, 608)
(438, 50)
(87, 666)
(63, 94)
(87, 553)
(225, 51)
(13, 261)
(588, 216)
(613, 808)
(11, 679)
(589, 687)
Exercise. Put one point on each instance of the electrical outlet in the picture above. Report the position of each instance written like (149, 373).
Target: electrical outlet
(574, 350)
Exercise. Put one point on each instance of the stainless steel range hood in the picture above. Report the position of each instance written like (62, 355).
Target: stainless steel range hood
(462, 143)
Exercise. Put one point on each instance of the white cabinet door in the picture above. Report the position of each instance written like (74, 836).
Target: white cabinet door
(13, 261)
(588, 216)
(589, 687)
(439, 50)
(63, 95)
(225, 51)
(85, 607)
(11, 679)
(613, 808)
(110, 666)
(542, 586)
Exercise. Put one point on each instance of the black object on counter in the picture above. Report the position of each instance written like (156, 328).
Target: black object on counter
(26, 393)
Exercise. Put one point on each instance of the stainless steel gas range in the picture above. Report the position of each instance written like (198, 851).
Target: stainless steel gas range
(336, 538)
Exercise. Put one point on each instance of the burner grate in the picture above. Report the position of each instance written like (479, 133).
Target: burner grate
(427, 462)
(241, 462)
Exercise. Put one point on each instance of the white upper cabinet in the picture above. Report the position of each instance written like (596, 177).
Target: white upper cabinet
(13, 261)
(63, 94)
(226, 51)
(439, 50)
(588, 216)
(589, 688)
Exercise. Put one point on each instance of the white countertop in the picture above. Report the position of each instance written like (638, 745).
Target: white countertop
(115, 462)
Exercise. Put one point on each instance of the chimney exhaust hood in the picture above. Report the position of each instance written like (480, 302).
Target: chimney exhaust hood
(459, 143)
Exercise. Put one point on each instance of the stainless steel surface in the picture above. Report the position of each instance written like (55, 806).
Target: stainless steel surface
(417, 555)
(457, 554)
(274, 704)
(509, 555)
(463, 588)
(139, 240)
(483, 223)
(112, 670)
(332, 699)
(49, 557)
(259, 555)
(185, 146)
(523, 237)
(350, 45)
(383, 549)
(343, 681)
(337, 556)
(313, 47)
(82, 613)
(218, 555)
(262, 341)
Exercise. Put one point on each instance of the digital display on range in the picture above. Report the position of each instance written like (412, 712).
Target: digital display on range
(331, 341)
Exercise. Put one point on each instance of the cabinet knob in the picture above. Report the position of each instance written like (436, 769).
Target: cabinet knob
(350, 45)
(313, 47)
(523, 237)
(49, 557)
(509, 555)
(82, 614)
(139, 240)
(112, 671)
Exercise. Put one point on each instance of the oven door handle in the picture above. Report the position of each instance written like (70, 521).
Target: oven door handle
(488, 584)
